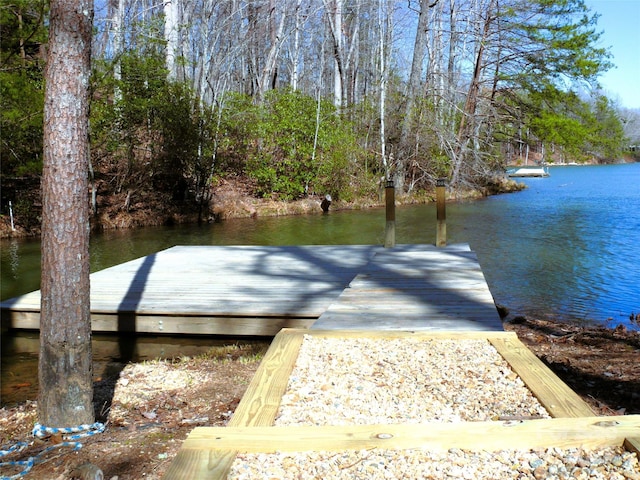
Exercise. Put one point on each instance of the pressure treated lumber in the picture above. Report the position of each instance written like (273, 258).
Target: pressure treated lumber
(258, 290)
(586, 432)
(554, 395)
(208, 453)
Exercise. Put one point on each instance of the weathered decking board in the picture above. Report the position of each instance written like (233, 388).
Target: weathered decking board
(257, 290)
(208, 452)
(225, 290)
(416, 289)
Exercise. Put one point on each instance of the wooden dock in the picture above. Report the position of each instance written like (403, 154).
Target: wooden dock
(413, 288)
(258, 290)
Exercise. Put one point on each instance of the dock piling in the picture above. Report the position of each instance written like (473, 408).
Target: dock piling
(441, 232)
(390, 228)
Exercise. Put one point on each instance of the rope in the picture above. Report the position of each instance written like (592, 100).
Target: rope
(69, 435)
(81, 431)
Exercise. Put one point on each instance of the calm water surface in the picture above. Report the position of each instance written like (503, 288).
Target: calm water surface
(567, 248)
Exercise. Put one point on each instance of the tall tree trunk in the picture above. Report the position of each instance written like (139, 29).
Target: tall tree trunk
(382, 21)
(413, 88)
(65, 396)
(295, 54)
(269, 72)
(171, 21)
(465, 130)
(118, 47)
(334, 15)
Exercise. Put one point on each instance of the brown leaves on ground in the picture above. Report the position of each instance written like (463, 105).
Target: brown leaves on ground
(602, 365)
(151, 407)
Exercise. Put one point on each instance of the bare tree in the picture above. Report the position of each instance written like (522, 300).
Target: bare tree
(334, 11)
(65, 366)
(171, 10)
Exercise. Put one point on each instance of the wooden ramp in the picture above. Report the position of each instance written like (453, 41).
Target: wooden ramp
(209, 452)
(416, 288)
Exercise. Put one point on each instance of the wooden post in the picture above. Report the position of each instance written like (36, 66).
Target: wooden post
(390, 229)
(441, 232)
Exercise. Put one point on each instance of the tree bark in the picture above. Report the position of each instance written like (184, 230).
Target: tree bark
(65, 396)
(334, 15)
(171, 21)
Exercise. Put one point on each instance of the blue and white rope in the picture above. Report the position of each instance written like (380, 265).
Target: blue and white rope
(40, 431)
(81, 431)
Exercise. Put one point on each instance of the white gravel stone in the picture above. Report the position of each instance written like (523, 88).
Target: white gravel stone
(373, 381)
(551, 464)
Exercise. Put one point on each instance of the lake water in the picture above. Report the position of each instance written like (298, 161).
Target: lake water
(567, 247)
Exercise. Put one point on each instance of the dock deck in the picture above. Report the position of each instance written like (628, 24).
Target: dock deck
(258, 290)
(417, 289)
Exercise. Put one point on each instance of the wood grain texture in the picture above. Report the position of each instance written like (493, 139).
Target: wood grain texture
(557, 398)
(586, 432)
(210, 452)
(257, 290)
(412, 289)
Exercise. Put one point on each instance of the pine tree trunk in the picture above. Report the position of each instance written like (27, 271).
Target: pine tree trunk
(65, 395)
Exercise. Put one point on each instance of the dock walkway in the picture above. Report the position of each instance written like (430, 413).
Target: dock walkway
(258, 290)
(416, 288)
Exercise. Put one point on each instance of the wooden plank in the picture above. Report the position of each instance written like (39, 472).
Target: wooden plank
(208, 453)
(261, 401)
(284, 287)
(417, 290)
(213, 282)
(258, 407)
(452, 322)
(554, 395)
(586, 432)
(176, 323)
(398, 334)
(633, 443)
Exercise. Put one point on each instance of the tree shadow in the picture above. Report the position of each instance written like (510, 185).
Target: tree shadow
(104, 389)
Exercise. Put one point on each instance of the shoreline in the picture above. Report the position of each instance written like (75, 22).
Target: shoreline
(231, 200)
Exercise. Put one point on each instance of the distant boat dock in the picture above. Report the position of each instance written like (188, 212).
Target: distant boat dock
(258, 290)
(528, 172)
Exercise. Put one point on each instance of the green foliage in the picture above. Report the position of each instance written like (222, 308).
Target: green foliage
(150, 134)
(276, 142)
(21, 86)
(581, 129)
(607, 139)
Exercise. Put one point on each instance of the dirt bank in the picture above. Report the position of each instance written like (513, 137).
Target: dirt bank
(230, 198)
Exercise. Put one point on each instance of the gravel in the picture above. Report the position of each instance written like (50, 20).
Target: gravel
(362, 381)
(550, 464)
(383, 381)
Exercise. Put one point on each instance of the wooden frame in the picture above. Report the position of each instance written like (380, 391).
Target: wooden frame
(209, 452)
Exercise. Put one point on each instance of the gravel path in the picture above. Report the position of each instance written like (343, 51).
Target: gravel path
(550, 464)
(373, 381)
(367, 381)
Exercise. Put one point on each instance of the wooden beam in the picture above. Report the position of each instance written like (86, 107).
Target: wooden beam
(554, 395)
(209, 452)
(261, 401)
(588, 432)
